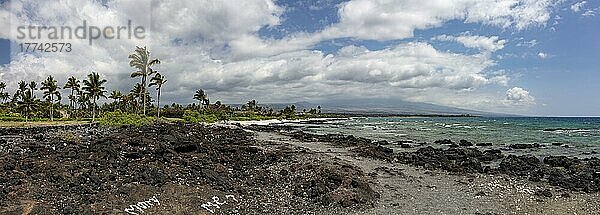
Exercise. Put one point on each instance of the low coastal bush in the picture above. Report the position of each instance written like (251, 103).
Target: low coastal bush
(118, 118)
(7, 116)
(197, 117)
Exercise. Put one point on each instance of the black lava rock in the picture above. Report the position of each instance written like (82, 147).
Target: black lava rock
(444, 142)
(519, 165)
(465, 143)
(525, 146)
(543, 193)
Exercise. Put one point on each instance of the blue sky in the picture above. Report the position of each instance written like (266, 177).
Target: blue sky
(537, 66)
(565, 83)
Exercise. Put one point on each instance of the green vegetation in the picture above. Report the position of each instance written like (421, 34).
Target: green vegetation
(201, 97)
(93, 89)
(196, 117)
(30, 105)
(118, 118)
(140, 60)
(4, 96)
(72, 84)
(51, 94)
(27, 101)
(158, 80)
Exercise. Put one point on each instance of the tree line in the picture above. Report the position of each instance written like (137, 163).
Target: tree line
(83, 96)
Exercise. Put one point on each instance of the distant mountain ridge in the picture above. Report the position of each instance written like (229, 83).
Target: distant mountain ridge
(380, 107)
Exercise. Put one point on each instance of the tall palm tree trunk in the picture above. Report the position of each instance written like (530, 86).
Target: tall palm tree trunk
(94, 111)
(51, 108)
(158, 97)
(72, 106)
(144, 95)
(144, 102)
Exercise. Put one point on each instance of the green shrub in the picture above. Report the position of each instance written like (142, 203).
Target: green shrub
(8, 113)
(118, 118)
(12, 119)
(196, 117)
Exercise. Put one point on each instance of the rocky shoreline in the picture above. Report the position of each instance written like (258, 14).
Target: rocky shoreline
(191, 168)
(571, 174)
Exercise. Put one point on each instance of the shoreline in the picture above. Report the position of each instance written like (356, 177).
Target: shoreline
(281, 121)
(465, 157)
(100, 169)
(409, 189)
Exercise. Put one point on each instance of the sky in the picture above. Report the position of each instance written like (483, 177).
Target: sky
(532, 57)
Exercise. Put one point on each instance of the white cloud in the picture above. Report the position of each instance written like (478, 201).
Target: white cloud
(577, 6)
(517, 95)
(581, 6)
(215, 45)
(386, 20)
(500, 79)
(213, 22)
(488, 44)
(250, 46)
(411, 65)
(398, 19)
(543, 55)
(589, 13)
(352, 50)
(529, 44)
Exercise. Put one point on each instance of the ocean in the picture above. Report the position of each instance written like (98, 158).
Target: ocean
(577, 136)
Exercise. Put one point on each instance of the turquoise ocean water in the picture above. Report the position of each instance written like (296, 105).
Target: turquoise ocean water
(581, 135)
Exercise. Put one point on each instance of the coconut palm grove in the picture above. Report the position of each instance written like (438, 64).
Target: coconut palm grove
(141, 105)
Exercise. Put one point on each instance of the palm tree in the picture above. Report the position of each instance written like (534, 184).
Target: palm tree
(73, 84)
(129, 101)
(50, 91)
(33, 85)
(158, 80)
(116, 96)
(138, 95)
(94, 89)
(140, 60)
(27, 103)
(201, 97)
(3, 95)
(252, 105)
(20, 91)
(83, 99)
